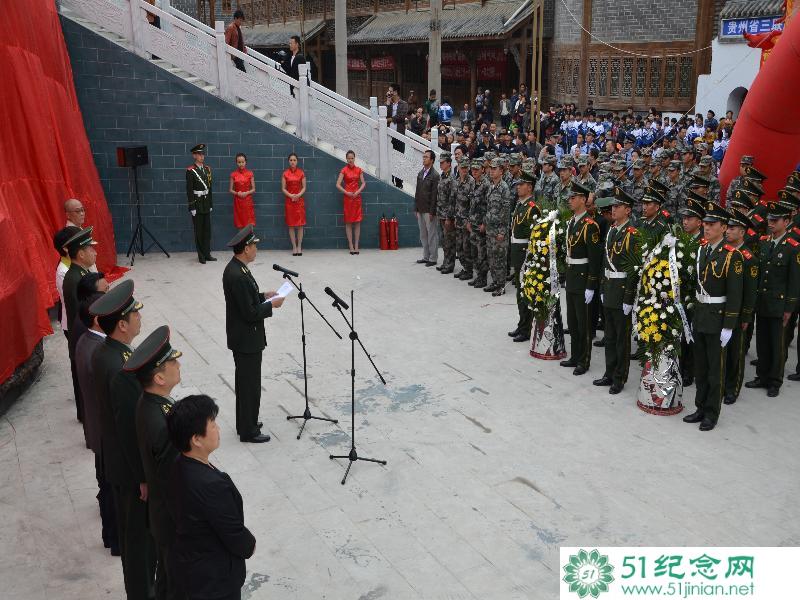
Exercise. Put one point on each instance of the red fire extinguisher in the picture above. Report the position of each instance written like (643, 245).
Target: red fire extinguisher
(394, 232)
(383, 227)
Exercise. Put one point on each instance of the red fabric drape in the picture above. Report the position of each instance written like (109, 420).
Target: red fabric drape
(45, 159)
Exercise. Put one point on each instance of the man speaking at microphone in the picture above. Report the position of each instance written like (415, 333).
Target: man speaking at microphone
(245, 311)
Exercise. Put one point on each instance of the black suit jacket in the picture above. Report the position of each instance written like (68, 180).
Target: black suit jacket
(211, 540)
(70, 290)
(426, 192)
(84, 352)
(245, 309)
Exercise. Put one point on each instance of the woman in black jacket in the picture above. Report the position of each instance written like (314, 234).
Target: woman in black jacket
(211, 541)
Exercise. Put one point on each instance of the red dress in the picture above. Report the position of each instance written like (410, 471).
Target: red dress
(294, 210)
(351, 181)
(244, 212)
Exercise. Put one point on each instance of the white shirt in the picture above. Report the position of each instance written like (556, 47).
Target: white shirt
(394, 114)
(61, 270)
(99, 334)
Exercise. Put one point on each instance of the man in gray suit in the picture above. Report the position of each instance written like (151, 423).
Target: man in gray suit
(425, 209)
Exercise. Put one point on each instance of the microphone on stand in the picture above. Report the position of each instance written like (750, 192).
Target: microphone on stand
(286, 271)
(336, 298)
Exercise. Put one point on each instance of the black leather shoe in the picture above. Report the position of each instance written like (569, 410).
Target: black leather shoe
(599, 343)
(514, 333)
(615, 388)
(430, 263)
(773, 391)
(580, 370)
(687, 381)
(115, 551)
(707, 425)
(422, 261)
(730, 399)
(522, 337)
(202, 261)
(490, 288)
(479, 283)
(465, 275)
(603, 381)
(439, 268)
(695, 417)
(755, 384)
(793, 377)
(259, 424)
(569, 363)
(211, 259)
(256, 439)
(447, 271)
(499, 290)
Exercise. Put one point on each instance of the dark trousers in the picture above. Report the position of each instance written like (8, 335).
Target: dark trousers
(135, 543)
(75, 387)
(578, 323)
(505, 121)
(401, 148)
(771, 350)
(618, 344)
(790, 327)
(709, 369)
(687, 360)
(167, 586)
(464, 248)
(596, 315)
(202, 234)
(108, 513)
(239, 62)
(525, 320)
(248, 392)
(734, 366)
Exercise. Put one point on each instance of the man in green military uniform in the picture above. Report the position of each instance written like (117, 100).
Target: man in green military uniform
(496, 220)
(245, 310)
(638, 185)
(675, 184)
(544, 192)
(705, 169)
(446, 211)
(617, 292)
(155, 365)
(475, 226)
(117, 393)
(692, 222)
(778, 292)
(720, 271)
(464, 187)
(738, 225)
(200, 201)
(584, 265)
(653, 221)
(526, 214)
(563, 188)
(584, 177)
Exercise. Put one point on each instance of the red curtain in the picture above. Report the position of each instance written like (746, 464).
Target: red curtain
(45, 160)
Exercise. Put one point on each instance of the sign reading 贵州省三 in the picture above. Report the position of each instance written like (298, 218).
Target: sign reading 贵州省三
(732, 28)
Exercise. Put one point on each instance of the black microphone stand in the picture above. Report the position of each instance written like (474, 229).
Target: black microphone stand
(141, 228)
(307, 416)
(353, 456)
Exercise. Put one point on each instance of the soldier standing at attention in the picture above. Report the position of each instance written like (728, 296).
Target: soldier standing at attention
(496, 219)
(464, 187)
(738, 225)
(705, 169)
(524, 217)
(692, 222)
(617, 292)
(544, 190)
(744, 162)
(675, 184)
(653, 220)
(584, 177)
(155, 365)
(584, 265)
(563, 188)
(638, 185)
(200, 201)
(475, 226)
(117, 393)
(720, 270)
(445, 210)
(245, 311)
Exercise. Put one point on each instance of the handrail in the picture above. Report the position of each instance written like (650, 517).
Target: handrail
(339, 98)
(255, 62)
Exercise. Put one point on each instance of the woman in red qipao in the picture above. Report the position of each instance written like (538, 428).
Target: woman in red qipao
(243, 186)
(293, 185)
(351, 184)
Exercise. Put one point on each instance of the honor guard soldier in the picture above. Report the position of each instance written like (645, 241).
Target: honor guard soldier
(653, 221)
(464, 187)
(778, 292)
(744, 203)
(524, 217)
(719, 278)
(789, 198)
(117, 393)
(744, 162)
(760, 209)
(738, 226)
(245, 310)
(445, 210)
(692, 222)
(82, 255)
(475, 226)
(155, 365)
(201, 203)
(584, 265)
(496, 219)
(617, 292)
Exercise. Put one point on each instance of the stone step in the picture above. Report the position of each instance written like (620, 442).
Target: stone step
(260, 113)
(244, 105)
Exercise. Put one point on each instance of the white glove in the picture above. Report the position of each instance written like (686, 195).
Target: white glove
(194, 212)
(211, 209)
(725, 336)
(588, 295)
(602, 298)
(626, 309)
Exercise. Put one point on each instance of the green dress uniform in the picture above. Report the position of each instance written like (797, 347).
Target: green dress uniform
(245, 310)
(117, 393)
(524, 217)
(477, 211)
(584, 265)
(737, 347)
(618, 288)
(463, 192)
(199, 198)
(720, 271)
(445, 210)
(496, 219)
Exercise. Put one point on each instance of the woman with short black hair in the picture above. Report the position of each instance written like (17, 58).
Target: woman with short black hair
(211, 540)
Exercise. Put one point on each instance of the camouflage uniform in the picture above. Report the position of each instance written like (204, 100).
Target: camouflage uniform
(545, 189)
(637, 192)
(463, 193)
(561, 194)
(477, 210)
(674, 196)
(445, 210)
(497, 219)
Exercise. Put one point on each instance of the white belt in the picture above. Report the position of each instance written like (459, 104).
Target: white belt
(200, 193)
(577, 261)
(615, 274)
(515, 240)
(706, 299)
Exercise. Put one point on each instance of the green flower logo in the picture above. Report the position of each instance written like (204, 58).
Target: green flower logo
(588, 573)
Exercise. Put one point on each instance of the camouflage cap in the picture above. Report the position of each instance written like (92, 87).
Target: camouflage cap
(565, 162)
(583, 159)
(647, 152)
(477, 163)
(489, 155)
(706, 160)
(746, 159)
(445, 156)
(639, 164)
(551, 160)
(496, 163)
(514, 160)
(504, 160)
(602, 157)
(619, 165)
(674, 165)
(464, 162)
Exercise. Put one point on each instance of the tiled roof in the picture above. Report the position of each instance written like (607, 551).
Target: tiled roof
(278, 34)
(465, 21)
(735, 9)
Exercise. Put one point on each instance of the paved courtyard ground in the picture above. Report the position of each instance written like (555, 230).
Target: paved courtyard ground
(495, 459)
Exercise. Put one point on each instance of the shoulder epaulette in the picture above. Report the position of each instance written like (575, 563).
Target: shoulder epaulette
(764, 238)
(703, 241)
(190, 168)
(632, 229)
(531, 203)
(796, 229)
(751, 232)
(793, 242)
(763, 203)
(729, 248)
(746, 253)
(666, 213)
(590, 221)
(758, 217)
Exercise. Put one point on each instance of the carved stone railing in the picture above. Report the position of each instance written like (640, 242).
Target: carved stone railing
(315, 113)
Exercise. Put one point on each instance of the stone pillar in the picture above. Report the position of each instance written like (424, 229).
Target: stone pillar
(435, 50)
(341, 47)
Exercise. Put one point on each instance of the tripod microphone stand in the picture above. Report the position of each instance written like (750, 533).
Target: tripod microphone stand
(307, 416)
(141, 229)
(353, 456)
